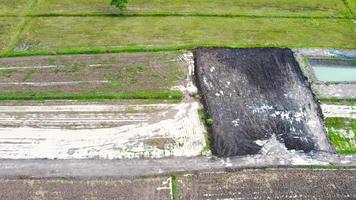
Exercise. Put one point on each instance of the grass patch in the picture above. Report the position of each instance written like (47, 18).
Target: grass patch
(130, 33)
(28, 74)
(351, 102)
(252, 7)
(92, 96)
(174, 189)
(8, 29)
(342, 133)
(159, 143)
(16, 7)
(349, 6)
(206, 122)
(7, 73)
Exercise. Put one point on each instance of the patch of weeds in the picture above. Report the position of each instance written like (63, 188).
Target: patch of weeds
(74, 68)
(115, 84)
(342, 133)
(113, 60)
(337, 101)
(203, 117)
(209, 122)
(174, 189)
(28, 75)
(57, 70)
(7, 73)
(135, 69)
(52, 61)
(172, 94)
(160, 143)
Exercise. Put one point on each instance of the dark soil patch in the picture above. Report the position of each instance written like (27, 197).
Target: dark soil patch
(252, 94)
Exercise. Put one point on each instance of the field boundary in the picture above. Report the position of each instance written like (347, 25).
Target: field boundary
(336, 101)
(89, 14)
(136, 49)
(174, 95)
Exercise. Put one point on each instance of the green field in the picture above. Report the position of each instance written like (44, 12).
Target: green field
(51, 27)
(8, 28)
(17, 7)
(55, 33)
(342, 133)
(220, 7)
(231, 7)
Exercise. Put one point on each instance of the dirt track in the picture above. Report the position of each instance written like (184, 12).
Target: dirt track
(254, 94)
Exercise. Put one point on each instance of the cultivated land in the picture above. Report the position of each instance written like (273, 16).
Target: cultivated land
(234, 7)
(260, 23)
(128, 113)
(105, 32)
(145, 189)
(245, 184)
(142, 74)
(269, 184)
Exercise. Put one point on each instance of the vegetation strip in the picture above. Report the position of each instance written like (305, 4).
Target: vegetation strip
(336, 101)
(348, 7)
(137, 49)
(174, 15)
(174, 187)
(92, 96)
(342, 134)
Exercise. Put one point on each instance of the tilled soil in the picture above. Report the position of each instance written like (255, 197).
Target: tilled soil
(270, 184)
(252, 94)
(140, 189)
(123, 72)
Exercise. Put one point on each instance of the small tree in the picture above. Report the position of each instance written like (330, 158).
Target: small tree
(121, 4)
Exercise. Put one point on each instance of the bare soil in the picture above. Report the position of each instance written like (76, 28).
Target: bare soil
(253, 94)
(270, 184)
(140, 189)
(92, 73)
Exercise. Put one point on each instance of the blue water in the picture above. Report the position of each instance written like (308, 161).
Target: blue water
(335, 73)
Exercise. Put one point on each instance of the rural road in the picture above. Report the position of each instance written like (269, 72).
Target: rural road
(92, 169)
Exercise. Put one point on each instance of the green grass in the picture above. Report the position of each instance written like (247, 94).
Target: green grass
(174, 189)
(93, 33)
(205, 120)
(17, 7)
(337, 101)
(8, 28)
(92, 96)
(350, 5)
(28, 74)
(7, 73)
(220, 7)
(337, 127)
